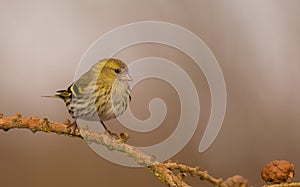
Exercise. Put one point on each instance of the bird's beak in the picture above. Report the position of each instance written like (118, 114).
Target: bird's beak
(125, 77)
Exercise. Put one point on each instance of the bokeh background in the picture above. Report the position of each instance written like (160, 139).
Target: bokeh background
(256, 43)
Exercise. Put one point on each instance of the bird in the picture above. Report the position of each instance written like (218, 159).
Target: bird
(100, 94)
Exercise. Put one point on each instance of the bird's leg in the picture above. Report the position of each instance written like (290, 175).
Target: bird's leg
(73, 126)
(109, 132)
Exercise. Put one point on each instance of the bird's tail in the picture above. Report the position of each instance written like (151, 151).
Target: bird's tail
(62, 94)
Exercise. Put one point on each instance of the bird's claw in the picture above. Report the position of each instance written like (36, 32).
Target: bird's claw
(73, 127)
(112, 134)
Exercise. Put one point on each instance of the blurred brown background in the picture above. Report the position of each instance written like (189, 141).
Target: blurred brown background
(256, 43)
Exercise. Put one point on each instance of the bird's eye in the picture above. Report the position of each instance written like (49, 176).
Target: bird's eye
(117, 71)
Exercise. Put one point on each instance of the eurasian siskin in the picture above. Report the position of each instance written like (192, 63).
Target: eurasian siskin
(102, 93)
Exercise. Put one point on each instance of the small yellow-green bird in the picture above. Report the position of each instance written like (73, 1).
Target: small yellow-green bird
(102, 93)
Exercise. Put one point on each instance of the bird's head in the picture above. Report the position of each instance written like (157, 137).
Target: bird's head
(114, 69)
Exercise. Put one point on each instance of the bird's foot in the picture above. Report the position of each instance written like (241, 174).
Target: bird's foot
(73, 127)
(112, 134)
(124, 137)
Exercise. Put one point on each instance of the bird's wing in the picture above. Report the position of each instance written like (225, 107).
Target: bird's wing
(84, 83)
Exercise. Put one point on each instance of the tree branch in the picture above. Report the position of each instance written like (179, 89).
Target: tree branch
(36, 124)
(163, 171)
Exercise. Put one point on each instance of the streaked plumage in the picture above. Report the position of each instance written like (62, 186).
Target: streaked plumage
(102, 93)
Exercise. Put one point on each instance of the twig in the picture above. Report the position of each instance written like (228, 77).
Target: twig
(163, 171)
(117, 145)
(194, 171)
(164, 174)
(36, 124)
